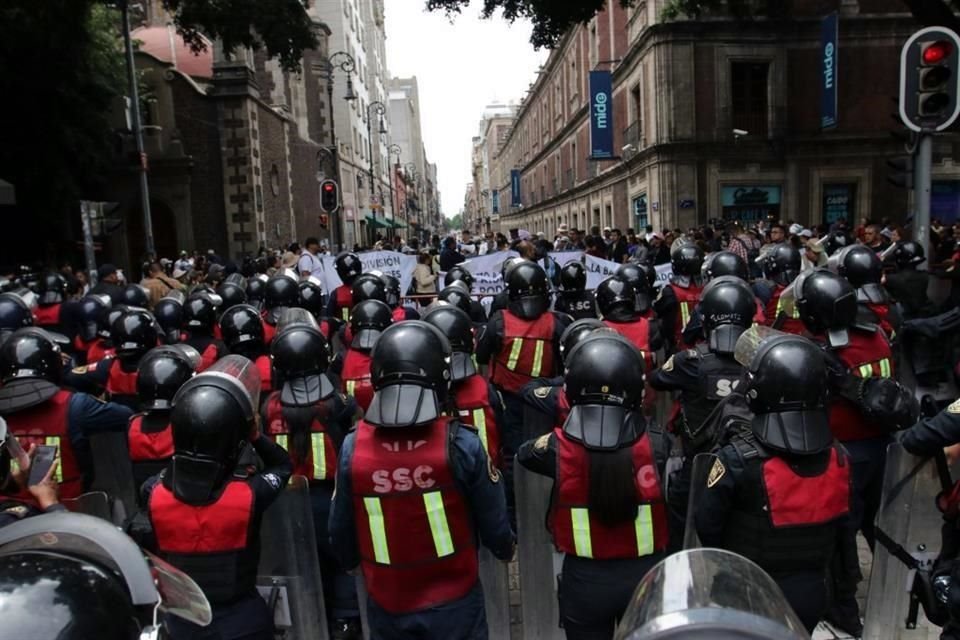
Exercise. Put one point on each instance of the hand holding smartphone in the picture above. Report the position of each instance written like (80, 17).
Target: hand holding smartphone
(44, 457)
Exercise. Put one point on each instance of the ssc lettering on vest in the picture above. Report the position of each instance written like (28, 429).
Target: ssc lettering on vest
(725, 387)
(647, 477)
(582, 305)
(403, 479)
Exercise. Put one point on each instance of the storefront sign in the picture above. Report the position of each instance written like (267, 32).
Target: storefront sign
(828, 71)
(839, 202)
(750, 203)
(601, 115)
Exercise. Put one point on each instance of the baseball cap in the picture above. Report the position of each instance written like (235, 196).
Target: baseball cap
(795, 229)
(105, 270)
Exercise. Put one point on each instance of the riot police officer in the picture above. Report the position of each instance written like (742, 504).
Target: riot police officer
(348, 266)
(314, 300)
(862, 268)
(255, 290)
(160, 375)
(168, 313)
(678, 297)
(779, 491)
(135, 295)
(242, 329)
(475, 399)
(716, 265)
(457, 294)
(19, 498)
(459, 273)
(15, 313)
(280, 293)
(610, 521)
(38, 411)
(309, 419)
(199, 320)
(232, 291)
(367, 286)
(780, 266)
(199, 497)
(395, 299)
(411, 516)
(908, 285)
(367, 321)
(51, 295)
(617, 302)
(573, 298)
(639, 278)
(502, 299)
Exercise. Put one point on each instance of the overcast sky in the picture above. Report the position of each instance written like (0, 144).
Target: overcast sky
(460, 68)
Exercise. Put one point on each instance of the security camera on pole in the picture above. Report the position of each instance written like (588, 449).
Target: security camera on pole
(929, 87)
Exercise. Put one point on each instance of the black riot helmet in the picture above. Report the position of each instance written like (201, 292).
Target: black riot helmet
(860, 265)
(615, 293)
(311, 297)
(348, 267)
(908, 255)
(575, 332)
(256, 286)
(300, 359)
(728, 306)
(15, 314)
(507, 266)
(134, 333)
(368, 286)
(135, 295)
(161, 373)
(51, 288)
(786, 390)
(392, 284)
(280, 293)
(30, 369)
(367, 321)
(573, 277)
(827, 304)
(527, 290)
(410, 372)
(837, 240)
(200, 311)
(725, 263)
(781, 264)
(169, 315)
(687, 263)
(458, 272)
(108, 316)
(604, 384)
(241, 326)
(457, 327)
(639, 279)
(213, 415)
(233, 290)
(456, 294)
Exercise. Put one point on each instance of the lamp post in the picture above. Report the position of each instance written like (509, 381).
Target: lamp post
(345, 62)
(381, 109)
(393, 150)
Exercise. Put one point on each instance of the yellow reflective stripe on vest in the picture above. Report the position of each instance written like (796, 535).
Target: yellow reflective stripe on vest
(480, 422)
(282, 440)
(537, 360)
(514, 353)
(866, 371)
(796, 312)
(345, 314)
(54, 441)
(580, 520)
(433, 501)
(885, 368)
(319, 459)
(351, 387)
(643, 525)
(685, 313)
(378, 533)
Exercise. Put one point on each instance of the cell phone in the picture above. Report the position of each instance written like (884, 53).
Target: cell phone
(43, 457)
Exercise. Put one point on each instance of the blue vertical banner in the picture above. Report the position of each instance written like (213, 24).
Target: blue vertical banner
(515, 188)
(495, 198)
(829, 47)
(601, 115)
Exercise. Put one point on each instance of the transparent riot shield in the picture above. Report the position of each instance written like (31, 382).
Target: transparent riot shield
(538, 559)
(113, 472)
(699, 476)
(93, 503)
(908, 530)
(289, 572)
(496, 593)
(708, 593)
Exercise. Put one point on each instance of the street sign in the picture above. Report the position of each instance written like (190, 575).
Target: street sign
(929, 81)
(828, 85)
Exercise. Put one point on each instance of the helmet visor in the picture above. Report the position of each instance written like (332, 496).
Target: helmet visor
(462, 365)
(602, 427)
(403, 405)
(305, 391)
(750, 342)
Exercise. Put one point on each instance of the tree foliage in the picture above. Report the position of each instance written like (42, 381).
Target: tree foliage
(456, 222)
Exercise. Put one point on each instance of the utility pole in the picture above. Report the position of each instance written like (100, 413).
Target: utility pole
(923, 179)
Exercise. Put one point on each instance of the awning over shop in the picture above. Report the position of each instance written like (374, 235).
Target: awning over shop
(377, 221)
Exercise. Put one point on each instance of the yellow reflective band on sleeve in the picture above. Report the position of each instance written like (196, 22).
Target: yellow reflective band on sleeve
(281, 440)
(433, 501)
(644, 528)
(866, 371)
(537, 360)
(378, 533)
(480, 422)
(514, 353)
(54, 441)
(580, 520)
(351, 387)
(345, 314)
(885, 368)
(319, 458)
(684, 313)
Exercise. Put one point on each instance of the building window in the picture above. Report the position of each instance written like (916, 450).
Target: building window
(640, 216)
(275, 180)
(748, 96)
(839, 203)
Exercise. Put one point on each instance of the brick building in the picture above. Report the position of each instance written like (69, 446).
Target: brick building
(714, 118)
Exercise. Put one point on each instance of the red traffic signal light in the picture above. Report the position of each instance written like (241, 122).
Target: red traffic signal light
(936, 52)
(329, 196)
(929, 82)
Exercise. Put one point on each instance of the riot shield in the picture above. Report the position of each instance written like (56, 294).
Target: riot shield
(907, 525)
(535, 551)
(289, 572)
(93, 503)
(113, 472)
(699, 475)
(496, 594)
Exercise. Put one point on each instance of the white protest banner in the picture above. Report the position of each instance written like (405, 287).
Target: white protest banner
(398, 265)
(563, 257)
(664, 273)
(486, 271)
(598, 270)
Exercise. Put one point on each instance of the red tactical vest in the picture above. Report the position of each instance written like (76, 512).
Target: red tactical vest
(526, 351)
(803, 501)
(265, 366)
(355, 377)
(577, 531)
(325, 328)
(638, 333)
(148, 447)
(96, 351)
(790, 325)
(47, 423)
(867, 356)
(120, 382)
(417, 543)
(399, 314)
(882, 311)
(214, 544)
(760, 317)
(344, 301)
(471, 396)
(269, 331)
(563, 406)
(47, 316)
(321, 461)
(687, 299)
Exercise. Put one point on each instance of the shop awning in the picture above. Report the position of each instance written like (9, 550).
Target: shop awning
(377, 221)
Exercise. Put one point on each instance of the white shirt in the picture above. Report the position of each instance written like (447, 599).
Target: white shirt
(311, 263)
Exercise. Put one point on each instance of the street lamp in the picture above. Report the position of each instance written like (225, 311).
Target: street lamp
(393, 150)
(381, 109)
(345, 62)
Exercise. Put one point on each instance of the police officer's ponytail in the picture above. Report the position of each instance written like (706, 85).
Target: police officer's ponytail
(613, 494)
(299, 421)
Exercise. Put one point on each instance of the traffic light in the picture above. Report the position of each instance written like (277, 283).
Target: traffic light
(329, 196)
(930, 79)
(902, 172)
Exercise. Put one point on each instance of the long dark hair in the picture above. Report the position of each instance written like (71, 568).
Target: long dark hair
(299, 421)
(613, 494)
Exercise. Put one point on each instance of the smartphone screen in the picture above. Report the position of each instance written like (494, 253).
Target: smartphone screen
(43, 457)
